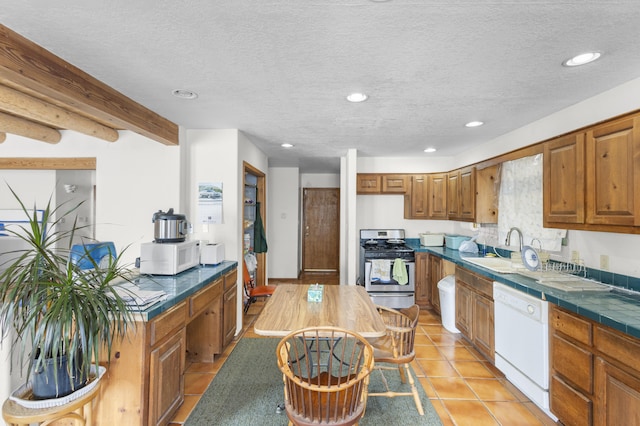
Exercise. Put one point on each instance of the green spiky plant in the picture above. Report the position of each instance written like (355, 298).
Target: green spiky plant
(58, 309)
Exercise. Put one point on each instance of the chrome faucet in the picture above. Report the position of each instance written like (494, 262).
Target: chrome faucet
(507, 241)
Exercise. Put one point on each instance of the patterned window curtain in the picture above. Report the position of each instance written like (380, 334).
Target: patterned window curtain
(520, 205)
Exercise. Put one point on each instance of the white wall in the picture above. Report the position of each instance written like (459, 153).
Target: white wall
(283, 222)
(135, 177)
(217, 155)
(319, 180)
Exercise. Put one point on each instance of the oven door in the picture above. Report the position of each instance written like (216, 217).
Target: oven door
(377, 284)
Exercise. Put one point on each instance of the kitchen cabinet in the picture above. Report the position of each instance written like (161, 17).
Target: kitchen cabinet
(144, 384)
(461, 194)
(375, 183)
(595, 371)
(474, 310)
(591, 178)
(230, 307)
(487, 192)
(437, 190)
(423, 291)
(564, 180)
(613, 173)
(416, 202)
(434, 268)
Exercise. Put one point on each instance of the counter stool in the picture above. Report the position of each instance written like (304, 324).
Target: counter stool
(80, 410)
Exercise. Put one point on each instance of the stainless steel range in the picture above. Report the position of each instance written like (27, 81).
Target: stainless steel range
(380, 249)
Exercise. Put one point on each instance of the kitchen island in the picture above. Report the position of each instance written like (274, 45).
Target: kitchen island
(144, 383)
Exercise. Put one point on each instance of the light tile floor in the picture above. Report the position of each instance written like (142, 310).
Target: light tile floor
(464, 388)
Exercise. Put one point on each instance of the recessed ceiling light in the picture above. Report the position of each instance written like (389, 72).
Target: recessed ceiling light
(286, 145)
(184, 94)
(474, 124)
(430, 149)
(357, 97)
(583, 58)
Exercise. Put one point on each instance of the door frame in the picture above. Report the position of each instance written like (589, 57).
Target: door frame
(261, 270)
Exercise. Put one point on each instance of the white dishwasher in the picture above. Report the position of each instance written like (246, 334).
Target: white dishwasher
(522, 342)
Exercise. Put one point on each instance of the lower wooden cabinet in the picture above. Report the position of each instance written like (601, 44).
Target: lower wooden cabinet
(423, 292)
(144, 384)
(474, 310)
(595, 372)
(435, 268)
(166, 379)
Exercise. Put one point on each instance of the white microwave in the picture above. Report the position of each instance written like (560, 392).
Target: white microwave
(168, 258)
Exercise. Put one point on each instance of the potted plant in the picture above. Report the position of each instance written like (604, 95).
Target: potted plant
(64, 316)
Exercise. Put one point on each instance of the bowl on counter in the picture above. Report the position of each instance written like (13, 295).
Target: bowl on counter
(428, 239)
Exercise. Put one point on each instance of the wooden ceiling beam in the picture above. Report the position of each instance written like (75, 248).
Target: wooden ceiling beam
(22, 105)
(28, 67)
(47, 163)
(29, 129)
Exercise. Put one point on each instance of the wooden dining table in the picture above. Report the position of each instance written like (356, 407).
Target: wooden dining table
(344, 306)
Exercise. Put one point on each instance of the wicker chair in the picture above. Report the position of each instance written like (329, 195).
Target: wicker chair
(397, 348)
(326, 373)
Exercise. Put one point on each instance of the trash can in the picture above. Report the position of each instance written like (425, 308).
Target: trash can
(447, 290)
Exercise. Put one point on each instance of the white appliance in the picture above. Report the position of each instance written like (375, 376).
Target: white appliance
(522, 342)
(211, 254)
(168, 258)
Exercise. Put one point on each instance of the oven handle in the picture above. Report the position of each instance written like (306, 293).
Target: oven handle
(399, 294)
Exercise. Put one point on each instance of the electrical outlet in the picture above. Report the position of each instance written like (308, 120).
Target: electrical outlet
(604, 262)
(575, 256)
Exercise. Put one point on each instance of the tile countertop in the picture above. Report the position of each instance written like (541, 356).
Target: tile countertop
(179, 287)
(615, 309)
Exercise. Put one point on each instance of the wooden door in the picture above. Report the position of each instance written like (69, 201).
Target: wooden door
(422, 279)
(453, 200)
(487, 191)
(321, 230)
(564, 182)
(434, 267)
(166, 379)
(613, 173)
(464, 309)
(483, 324)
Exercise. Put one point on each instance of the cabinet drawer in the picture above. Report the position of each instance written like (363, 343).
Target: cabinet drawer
(230, 279)
(171, 320)
(203, 298)
(480, 284)
(569, 405)
(572, 363)
(620, 348)
(571, 326)
(394, 184)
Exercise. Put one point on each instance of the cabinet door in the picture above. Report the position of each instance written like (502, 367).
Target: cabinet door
(369, 183)
(229, 315)
(453, 192)
(394, 184)
(422, 282)
(564, 180)
(483, 325)
(487, 191)
(419, 197)
(437, 190)
(613, 173)
(467, 195)
(618, 396)
(434, 276)
(464, 309)
(166, 379)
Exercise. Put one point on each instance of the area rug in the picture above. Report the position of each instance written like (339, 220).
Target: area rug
(248, 389)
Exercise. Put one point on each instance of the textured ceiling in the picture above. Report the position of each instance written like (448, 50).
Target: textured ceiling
(280, 70)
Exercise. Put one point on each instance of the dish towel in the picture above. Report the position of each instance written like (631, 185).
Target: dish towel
(400, 272)
(380, 269)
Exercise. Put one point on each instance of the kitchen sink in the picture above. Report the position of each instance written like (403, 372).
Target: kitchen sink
(564, 281)
(495, 264)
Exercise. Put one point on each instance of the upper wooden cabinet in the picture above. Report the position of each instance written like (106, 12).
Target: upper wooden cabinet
(461, 194)
(591, 178)
(416, 203)
(564, 181)
(374, 183)
(613, 173)
(437, 190)
(487, 191)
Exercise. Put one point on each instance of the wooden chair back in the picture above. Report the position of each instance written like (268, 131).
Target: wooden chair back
(326, 373)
